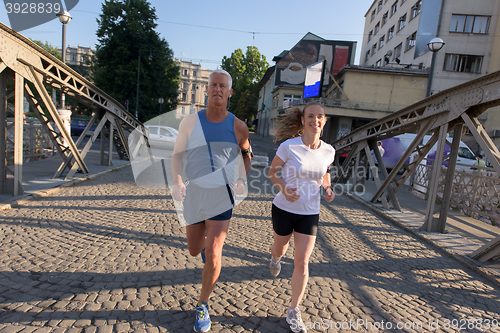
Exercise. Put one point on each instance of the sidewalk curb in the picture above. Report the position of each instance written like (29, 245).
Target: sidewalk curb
(41, 193)
(472, 264)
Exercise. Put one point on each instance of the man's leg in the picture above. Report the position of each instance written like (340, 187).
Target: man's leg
(195, 234)
(216, 235)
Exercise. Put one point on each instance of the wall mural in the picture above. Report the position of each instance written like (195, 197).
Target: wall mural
(291, 69)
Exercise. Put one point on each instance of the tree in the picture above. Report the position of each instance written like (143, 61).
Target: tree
(246, 71)
(48, 47)
(126, 28)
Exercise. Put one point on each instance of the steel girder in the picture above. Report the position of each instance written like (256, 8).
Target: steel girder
(33, 64)
(457, 106)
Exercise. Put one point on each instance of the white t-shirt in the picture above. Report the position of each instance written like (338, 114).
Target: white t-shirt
(304, 169)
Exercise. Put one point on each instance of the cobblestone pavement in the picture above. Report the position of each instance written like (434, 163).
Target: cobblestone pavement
(108, 256)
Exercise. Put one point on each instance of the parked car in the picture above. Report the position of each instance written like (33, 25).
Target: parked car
(78, 126)
(162, 136)
(396, 146)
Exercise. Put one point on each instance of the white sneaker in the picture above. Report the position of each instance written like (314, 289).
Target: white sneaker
(294, 319)
(274, 268)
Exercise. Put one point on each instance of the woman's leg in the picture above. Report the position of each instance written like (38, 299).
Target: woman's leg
(304, 245)
(280, 245)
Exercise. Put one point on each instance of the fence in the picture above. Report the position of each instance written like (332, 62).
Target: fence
(36, 142)
(475, 193)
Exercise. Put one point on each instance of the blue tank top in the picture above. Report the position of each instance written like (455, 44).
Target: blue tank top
(211, 152)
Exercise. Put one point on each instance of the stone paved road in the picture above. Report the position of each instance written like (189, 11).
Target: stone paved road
(108, 256)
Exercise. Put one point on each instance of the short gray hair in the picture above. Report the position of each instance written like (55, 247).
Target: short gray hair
(221, 71)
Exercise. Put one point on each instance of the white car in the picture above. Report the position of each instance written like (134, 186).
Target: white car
(162, 137)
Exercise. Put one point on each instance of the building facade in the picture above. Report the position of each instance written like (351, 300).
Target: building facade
(192, 88)
(283, 84)
(79, 55)
(396, 34)
(358, 96)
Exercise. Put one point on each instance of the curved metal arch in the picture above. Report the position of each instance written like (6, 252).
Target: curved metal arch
(34, 64)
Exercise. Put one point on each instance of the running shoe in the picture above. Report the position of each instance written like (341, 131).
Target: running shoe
(274, 268)
(294, 319)
(202, 322)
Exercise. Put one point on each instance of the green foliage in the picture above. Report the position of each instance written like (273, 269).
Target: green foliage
(52, 50)
(126, 29)
(246, 70)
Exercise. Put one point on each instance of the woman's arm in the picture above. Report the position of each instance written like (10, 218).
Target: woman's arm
(289, 193)
(327, 185)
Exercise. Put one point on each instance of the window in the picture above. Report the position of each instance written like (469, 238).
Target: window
(193, 98)
(470, 24)
(374, 48)
(186, 86)
(370, 35)
(397, 51)
(185, 72)
(373, 15)
(73, 57)
(165, 132)
(194, 73)
(377, 28)
(367, 55)
(153, 130)
(380, 3)
(184, 97)
(291, 99)
(463, 63)
(415, 9)
(402, 22)
(410, 41)
(465, 153)
(384, 18)
(379, 63)
(394, 8)
(390, 33)
(381, 41)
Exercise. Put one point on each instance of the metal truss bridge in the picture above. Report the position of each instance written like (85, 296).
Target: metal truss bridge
(32, 70)
(449, 110)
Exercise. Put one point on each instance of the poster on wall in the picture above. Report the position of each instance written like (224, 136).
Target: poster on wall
(313, 85)
(427, 26)
(291, 69)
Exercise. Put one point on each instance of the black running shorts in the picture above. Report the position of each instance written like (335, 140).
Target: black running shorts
(284, 223)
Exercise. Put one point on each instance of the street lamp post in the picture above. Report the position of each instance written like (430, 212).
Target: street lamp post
(434, 46)
(160, 100)
(64, 18)
(139, 77)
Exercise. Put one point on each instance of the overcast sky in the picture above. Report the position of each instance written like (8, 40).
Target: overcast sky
(205, 31)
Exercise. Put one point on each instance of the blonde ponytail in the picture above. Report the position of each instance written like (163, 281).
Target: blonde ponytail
(290, 126)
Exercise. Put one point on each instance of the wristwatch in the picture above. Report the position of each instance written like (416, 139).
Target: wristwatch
(243, 180)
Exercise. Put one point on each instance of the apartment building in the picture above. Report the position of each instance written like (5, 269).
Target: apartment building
(396, 34)
(192, 88)
(79, 55)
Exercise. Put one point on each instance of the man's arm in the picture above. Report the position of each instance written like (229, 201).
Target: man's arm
(185, 128)
(241, 131)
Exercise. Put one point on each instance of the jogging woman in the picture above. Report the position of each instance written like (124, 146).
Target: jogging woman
(304, 160)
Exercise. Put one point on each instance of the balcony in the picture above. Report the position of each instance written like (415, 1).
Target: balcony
(340, 103)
